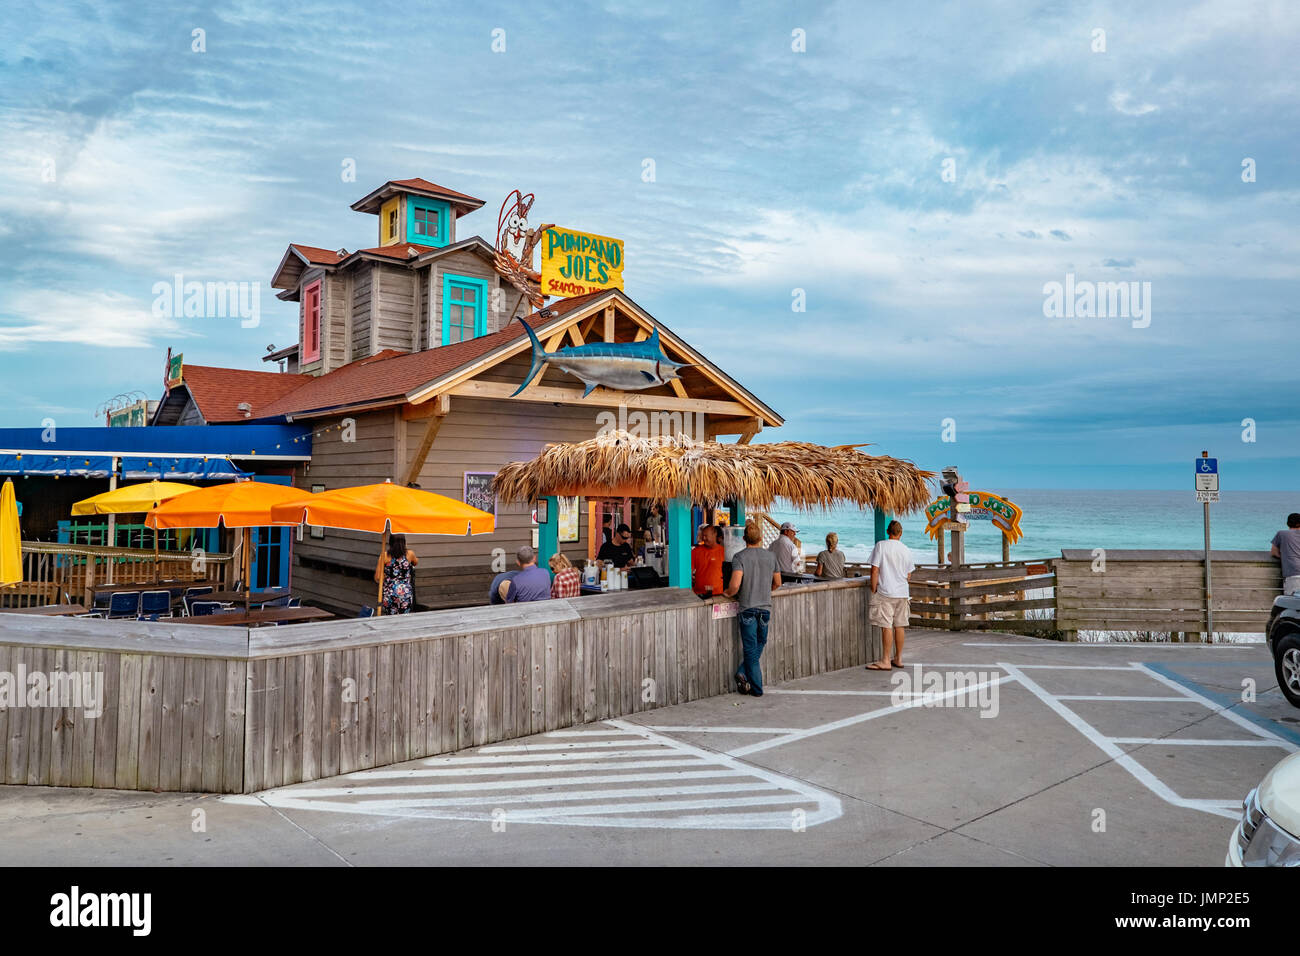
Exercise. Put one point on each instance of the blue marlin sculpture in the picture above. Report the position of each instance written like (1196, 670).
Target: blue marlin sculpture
(626, 366)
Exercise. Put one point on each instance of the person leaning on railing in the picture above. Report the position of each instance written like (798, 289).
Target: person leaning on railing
(754, 574)
(830, 563)
(1286, 548)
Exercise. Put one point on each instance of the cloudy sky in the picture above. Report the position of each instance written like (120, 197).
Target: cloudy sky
(915, 175)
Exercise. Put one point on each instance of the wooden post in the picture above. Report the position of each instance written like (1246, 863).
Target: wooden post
(1006, 549)
(90, 579)
(247, 565)
(111, 541)
(954, 587)
(441, 407)
(679, 542)
(940, 538)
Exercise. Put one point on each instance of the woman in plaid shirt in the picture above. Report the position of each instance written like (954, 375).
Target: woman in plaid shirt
(568, 580)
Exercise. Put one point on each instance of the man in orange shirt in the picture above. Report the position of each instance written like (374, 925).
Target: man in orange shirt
(706, 563)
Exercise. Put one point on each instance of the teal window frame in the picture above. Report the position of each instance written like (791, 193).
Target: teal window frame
(450, 281)
(443, 210)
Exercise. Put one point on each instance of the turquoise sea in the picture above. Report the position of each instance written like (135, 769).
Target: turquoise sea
(1055, 519)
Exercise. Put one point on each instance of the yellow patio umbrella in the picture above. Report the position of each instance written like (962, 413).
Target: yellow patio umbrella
(238, 504)
(129, 499)
(386, 508)
(11, 545)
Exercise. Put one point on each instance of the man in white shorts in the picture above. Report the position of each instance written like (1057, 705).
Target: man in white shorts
(891, 566)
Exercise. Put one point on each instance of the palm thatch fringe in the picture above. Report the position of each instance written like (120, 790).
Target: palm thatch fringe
(675, 466)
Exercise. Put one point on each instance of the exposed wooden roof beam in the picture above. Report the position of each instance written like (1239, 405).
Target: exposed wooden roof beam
(601, 397)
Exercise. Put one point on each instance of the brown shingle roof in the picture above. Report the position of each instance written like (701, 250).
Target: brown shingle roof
(317, 255)
(424, 184)
(372, 201)
(398, 250)
(389, 376)
(219, 391)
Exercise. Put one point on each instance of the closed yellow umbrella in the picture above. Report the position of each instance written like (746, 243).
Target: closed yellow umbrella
(11, 539)
(129, 499)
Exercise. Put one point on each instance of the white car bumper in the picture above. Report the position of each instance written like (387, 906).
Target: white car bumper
(1234, 848)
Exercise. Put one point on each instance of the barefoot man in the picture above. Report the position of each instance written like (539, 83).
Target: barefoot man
(891, 566)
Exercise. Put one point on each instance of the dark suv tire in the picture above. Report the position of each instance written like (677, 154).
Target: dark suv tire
(1286, 664)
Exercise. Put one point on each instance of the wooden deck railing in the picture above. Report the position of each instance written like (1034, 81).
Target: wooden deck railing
(54, 573)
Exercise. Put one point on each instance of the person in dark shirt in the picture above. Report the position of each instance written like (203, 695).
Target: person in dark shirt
(618, 550)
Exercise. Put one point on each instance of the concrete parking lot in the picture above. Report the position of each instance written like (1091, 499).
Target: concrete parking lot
(997, 749)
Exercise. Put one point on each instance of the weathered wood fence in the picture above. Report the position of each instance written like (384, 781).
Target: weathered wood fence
(233, 710)
(1164, 591)
(989, 596)
(1111, 590)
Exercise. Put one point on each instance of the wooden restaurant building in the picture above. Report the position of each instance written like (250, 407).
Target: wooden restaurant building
(408, 356)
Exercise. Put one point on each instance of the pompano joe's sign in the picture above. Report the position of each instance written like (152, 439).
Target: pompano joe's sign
(575, 263)
(1004, 513)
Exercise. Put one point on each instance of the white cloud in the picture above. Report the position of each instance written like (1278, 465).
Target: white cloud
(1122, 101)
(102, 319)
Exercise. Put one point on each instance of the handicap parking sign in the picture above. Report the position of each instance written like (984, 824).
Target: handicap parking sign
(1207, 474)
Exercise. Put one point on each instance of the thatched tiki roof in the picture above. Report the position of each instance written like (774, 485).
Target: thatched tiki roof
(808, 476)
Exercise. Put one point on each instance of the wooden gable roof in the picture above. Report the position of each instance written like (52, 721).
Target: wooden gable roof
(418, 377)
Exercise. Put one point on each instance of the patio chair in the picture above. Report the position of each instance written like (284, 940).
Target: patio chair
(191, 594)
(155, 604)
(124, 604)
(367, 611)
(205, 608)
(294, 602)
(282, 601)
(99, 600)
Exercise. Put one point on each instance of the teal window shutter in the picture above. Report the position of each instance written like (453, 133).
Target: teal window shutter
(427, 221)
(464, 308)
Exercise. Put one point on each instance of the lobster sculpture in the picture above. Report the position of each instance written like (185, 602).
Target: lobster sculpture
(515, 245)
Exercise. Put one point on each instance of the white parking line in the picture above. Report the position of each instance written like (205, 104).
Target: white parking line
(1139, 772)
(674, 728)
(1224, 712)
(1120, 645)
(1144, 700)
(1187, 742)
(688, 787)
(572, 745)
(860, 718)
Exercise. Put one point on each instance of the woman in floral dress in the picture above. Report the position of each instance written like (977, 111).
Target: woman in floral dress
(394, 572)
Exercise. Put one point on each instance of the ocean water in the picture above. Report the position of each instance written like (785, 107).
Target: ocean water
(1053, 520)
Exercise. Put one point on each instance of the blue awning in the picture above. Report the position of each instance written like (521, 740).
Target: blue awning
(194, 452)
(99, 466)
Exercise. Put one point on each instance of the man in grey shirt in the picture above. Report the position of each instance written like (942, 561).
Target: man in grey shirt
(753, 576)
(1286, 548)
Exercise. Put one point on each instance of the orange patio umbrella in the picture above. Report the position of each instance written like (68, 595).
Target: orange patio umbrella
(386, 508)
(238, 504)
